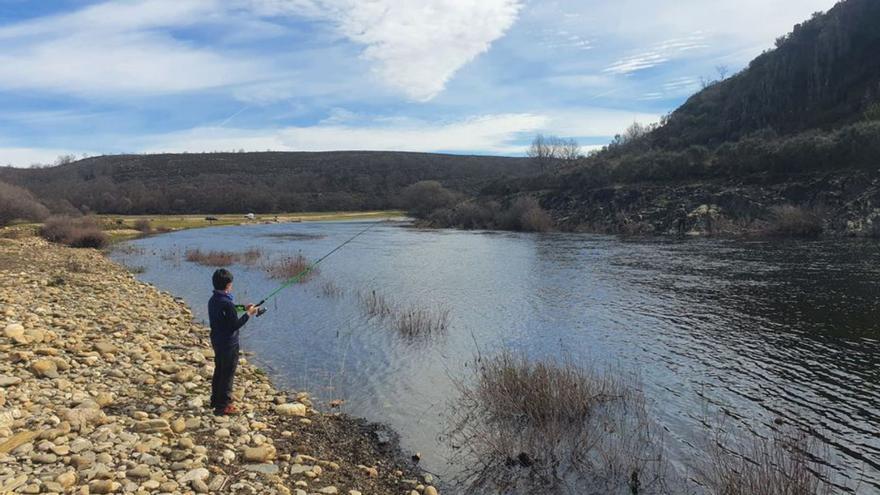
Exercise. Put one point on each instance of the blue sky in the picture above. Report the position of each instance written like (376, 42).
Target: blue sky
(459, 76)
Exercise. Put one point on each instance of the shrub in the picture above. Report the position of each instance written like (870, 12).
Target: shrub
(422, 198)
(143, 225)
(526, 214)
(529, 426)
(17, 203)
(81, 232)
(794, 221)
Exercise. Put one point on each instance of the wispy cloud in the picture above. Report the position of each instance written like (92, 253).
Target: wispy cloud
(118, 48)
(657, 54)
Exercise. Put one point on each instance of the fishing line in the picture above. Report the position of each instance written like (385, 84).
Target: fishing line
(299, 276)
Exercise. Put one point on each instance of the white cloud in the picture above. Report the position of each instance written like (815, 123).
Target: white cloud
(415, 46)
(502, 134)
(343, 130)
(117, 48)
(489, 133)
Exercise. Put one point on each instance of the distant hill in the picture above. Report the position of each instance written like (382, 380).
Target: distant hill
(258, 182)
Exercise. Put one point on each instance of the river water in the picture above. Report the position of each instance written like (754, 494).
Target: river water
(765, 332)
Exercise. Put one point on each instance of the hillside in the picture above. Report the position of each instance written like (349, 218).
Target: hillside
(797, 131)
(823, 74)
(258, 182)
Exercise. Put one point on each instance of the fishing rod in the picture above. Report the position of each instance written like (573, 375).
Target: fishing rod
(299, 276)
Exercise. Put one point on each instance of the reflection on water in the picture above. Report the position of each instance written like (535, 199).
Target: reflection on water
(769, 332)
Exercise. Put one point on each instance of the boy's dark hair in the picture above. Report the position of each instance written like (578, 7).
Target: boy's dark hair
(221, 279)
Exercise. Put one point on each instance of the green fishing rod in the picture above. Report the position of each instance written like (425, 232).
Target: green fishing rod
(299, 276)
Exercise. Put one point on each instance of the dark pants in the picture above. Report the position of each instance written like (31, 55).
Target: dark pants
(225, 363)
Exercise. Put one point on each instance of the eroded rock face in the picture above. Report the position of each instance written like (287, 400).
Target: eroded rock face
(103, 386)
(848, 203)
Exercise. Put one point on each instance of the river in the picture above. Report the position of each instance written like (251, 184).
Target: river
(766, 332)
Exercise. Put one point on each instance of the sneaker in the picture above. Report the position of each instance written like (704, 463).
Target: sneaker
(229, 410)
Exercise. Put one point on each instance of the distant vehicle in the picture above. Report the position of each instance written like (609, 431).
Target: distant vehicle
(211, 219)
(250, 216)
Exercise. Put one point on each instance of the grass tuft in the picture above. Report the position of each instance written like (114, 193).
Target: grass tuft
(290, 267)
(524, 426)
(375, 304)
(421, 323)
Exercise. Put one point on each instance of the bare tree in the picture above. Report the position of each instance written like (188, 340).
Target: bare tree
(65, 159)
(540, 152)
(551, 150)
(722, 71)
(635, 131)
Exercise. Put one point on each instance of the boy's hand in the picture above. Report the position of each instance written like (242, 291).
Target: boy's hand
(251, 309)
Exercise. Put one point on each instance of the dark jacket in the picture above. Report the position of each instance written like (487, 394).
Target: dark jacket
(225, 321)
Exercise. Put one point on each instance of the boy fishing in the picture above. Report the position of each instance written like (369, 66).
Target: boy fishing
(225, 324)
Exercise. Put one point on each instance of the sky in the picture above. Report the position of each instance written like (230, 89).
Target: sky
(454, 76)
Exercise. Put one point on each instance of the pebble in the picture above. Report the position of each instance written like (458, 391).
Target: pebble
(45, 368)
(261, 453)
(292, 409)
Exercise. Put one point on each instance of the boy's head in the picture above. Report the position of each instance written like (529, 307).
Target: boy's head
(222, 279)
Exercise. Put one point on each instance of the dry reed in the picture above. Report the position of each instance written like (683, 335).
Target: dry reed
(292, 266)
(421, 322)
(223, 258)
(551, 427)
(787, 463)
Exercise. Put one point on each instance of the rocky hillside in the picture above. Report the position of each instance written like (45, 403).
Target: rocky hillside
(840, 203)
(821, 75)
(103, 387)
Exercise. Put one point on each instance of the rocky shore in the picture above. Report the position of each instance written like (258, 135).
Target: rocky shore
(104, 383)
(846, 202)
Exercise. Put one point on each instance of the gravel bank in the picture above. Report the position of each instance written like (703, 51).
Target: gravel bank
(104, 383)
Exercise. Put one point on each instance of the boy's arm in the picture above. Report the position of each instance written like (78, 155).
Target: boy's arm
(233, 320)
